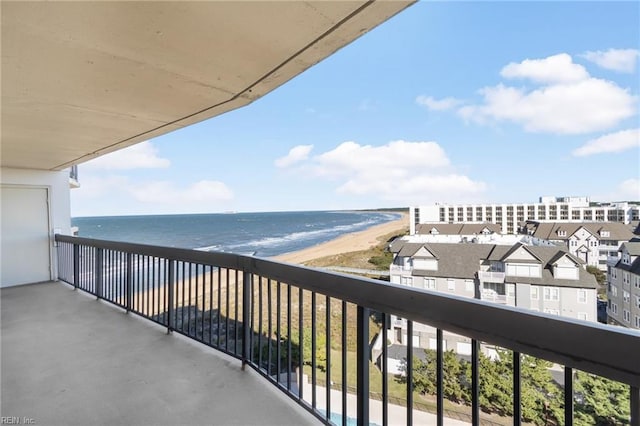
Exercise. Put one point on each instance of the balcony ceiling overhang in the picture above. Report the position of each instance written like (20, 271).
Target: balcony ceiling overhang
(81, 79)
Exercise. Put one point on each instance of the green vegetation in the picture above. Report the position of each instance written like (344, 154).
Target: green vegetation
(601, 277)
(378, 256)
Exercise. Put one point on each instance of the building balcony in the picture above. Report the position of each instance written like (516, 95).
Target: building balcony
(174, 336)
(492, 277)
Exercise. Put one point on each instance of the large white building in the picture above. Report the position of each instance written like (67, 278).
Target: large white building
(508, 216)
(623, 290)
(539, 278)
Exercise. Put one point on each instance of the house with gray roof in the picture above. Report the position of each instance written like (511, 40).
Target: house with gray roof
(592, 242)
(545, 279)
(623, 287)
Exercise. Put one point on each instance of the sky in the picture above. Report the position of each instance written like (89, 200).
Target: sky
(449, 102)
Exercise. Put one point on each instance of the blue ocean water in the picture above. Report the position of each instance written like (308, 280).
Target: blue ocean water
(260, 234)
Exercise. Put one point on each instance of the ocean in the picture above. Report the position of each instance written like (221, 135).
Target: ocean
(259, 234)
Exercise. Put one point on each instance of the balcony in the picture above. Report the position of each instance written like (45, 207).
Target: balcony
(490, 276)
(244, 331)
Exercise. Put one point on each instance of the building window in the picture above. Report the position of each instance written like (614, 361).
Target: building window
(613, 290)
(637, 321)
(626, 297)
(468, 285)
(625, 278)
(552, 293)
(626, 315)
(430, 283)
(637, 284)
(582, 316)
(406, 281)
(511, 290)
(582, 296)
(614, 308)
(534, 293)
(638, 301)
(551, 311)
(451, 285)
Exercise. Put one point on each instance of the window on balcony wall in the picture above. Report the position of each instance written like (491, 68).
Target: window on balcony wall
(552, 293)
(534, 293)
(406, 281)
(582, 296)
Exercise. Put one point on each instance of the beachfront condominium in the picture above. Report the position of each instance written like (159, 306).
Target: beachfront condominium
(592, 242)
(623, 289)
(537, 278)
(508, 216)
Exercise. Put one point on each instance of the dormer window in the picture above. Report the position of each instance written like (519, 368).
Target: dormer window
(604, 233)
(562, 233)
(434, 231)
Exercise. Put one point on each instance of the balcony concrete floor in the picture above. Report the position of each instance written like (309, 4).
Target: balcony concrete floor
(69, 359)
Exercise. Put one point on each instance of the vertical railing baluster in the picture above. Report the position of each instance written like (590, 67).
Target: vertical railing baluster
(228, 313)
(517, 407)
(344, 363)
(219, 318)
(314, 364)
(76, 266)
(210, 304)
(197, 308)
(171, 284)
(327, 329)
(385, 370)
(278, 330)
(236, 330)
(246, 315)
(270, 327)
(362, 365)
(98, 272)
(409, 372)
(129, 281)
(260, 323)
(289, 337)
(300, 342)
(439, 378)
(475, 383)
(568, 395)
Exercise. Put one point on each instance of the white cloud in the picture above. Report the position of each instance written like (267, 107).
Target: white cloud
(613, 142)
(139, 156)
(553, 69)
(438, 104)
(621, 60)
(296, 154)
(162, 192)
(629, 190)
(399, 170)
(567, 108)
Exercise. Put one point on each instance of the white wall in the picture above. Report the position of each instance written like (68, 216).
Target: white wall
(57, 184)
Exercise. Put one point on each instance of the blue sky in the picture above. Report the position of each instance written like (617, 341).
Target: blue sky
(446, 102)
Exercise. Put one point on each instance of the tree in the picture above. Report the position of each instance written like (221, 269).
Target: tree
(601, 277)
(600, 401)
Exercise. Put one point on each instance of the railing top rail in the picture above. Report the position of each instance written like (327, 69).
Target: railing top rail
(596, 348)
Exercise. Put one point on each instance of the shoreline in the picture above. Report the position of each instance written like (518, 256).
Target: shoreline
(353, 241)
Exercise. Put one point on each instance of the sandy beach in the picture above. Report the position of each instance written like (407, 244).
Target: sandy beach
(355, 241)
(197, 290)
